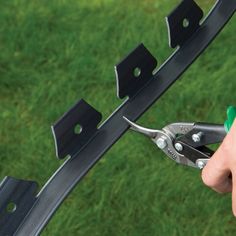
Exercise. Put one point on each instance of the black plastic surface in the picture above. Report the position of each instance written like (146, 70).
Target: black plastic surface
(183, 22)
(17, 197)
(134, 71)
(72, 171)
(69, 141)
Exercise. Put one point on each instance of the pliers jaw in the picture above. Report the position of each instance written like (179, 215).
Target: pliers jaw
(183, 142)
(165, 138)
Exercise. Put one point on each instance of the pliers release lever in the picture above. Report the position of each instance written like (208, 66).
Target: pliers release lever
(186, 143)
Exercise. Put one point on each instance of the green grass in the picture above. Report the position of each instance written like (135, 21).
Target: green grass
(56, 52)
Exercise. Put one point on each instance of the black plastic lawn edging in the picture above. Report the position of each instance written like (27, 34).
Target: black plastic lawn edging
(190, 34)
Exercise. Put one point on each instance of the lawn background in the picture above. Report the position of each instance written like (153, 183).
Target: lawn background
(52, 53)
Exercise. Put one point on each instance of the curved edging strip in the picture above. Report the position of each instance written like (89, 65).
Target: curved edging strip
(72, 171)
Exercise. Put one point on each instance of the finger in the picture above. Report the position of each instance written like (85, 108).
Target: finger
(234, 195)
(229, 141)
(216, 173)
(232, 130)
(225, 187)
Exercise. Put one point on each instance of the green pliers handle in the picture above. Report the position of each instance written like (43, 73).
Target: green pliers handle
(231, 114)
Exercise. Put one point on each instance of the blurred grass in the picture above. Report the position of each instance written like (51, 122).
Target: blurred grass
(56, 52)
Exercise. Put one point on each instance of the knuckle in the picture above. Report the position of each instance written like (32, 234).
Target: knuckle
(209, 182)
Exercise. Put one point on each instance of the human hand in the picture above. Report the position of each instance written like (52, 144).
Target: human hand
(223, 163)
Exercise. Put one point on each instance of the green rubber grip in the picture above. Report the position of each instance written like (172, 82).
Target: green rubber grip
(231, 115)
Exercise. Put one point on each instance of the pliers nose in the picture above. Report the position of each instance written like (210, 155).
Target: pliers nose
(151, 133)
(164, 139)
